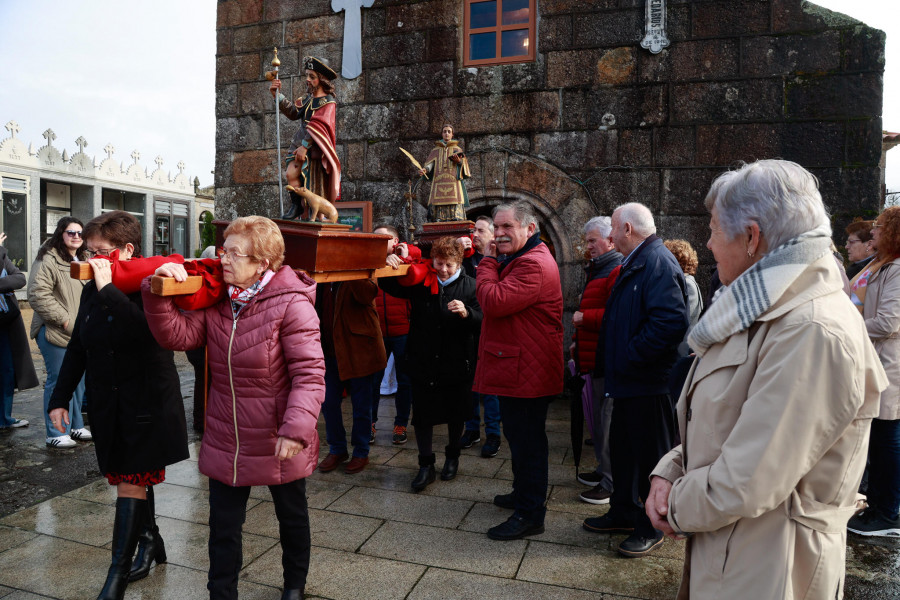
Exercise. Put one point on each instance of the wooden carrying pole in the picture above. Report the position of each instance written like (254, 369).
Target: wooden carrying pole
(167, 286)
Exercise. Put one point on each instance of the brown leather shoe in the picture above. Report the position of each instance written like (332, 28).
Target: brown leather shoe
(356, 464)
(332, 461)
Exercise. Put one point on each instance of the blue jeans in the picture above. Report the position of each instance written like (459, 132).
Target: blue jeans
(53, 358)
(7, 380)
(491, 414)
(884, 467)
(524, 425)
(361, 398)
(395, 345)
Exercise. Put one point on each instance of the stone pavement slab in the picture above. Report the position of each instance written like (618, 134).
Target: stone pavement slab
(440, 584)
(587, 569)
(446, 548)
(405, 507)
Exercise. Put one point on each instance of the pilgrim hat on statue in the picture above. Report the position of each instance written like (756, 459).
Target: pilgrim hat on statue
(311, 63)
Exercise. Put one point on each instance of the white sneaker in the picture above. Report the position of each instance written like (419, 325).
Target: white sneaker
(19, 423)
(82, 435)
(62, 441)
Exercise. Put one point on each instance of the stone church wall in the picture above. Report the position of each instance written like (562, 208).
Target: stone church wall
(593, 122)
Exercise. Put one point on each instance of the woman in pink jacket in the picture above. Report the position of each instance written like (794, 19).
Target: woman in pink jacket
(266, 388)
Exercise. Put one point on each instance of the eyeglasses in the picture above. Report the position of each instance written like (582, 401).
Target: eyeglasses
(72, 233)
(100, 252)
(876, 225)
(851, 242)
(232, 255)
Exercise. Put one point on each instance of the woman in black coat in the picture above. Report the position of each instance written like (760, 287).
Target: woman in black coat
(134, 394)
(16, 367)
(440, 352)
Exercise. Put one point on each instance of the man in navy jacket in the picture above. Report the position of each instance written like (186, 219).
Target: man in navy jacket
(646, 317)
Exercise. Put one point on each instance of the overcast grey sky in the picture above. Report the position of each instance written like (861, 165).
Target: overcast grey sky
(140, 75)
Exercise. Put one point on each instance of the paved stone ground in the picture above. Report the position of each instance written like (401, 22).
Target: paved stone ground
(372, 537)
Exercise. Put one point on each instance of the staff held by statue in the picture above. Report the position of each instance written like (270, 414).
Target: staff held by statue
(272, 75)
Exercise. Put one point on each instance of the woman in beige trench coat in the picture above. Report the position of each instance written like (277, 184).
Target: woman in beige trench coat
(775, 412)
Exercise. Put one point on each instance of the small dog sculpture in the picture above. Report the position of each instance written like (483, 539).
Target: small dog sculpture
(318, 206)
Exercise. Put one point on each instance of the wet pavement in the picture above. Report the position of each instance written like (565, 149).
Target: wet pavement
(372, 537)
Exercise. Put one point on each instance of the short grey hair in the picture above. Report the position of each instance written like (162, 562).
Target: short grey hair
(602, 225)
(780, 196)
(639, 216)
(487, 220)
(522, 212)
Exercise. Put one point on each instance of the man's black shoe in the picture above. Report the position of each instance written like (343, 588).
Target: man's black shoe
(515, 528)
(636, 546)
(607, 524)
(491, 446)
(468, 438)
(505, 501)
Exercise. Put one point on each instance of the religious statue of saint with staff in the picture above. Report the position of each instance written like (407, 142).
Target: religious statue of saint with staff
(312, 161)
(446, 167)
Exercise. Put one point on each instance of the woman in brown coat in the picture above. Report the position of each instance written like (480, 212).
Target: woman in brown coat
(775, 413)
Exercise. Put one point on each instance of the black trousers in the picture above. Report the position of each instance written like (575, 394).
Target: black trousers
(524, 425)
(227, 512)
(642, 431)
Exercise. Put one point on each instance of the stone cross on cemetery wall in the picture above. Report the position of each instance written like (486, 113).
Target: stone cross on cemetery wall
(655, 27)
(351, 61)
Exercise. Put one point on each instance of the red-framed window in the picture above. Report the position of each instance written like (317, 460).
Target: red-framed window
(498, 32)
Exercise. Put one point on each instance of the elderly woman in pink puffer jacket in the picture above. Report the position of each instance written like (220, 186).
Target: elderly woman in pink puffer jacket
(266, 388)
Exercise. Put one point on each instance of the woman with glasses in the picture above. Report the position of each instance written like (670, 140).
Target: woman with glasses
(55, 297)
(267, 384)
(860, 246)
(877, 290)
(137, 413)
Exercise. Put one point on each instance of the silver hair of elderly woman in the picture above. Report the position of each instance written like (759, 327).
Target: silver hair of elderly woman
(522, 211)
(778, 195)
(602, 225)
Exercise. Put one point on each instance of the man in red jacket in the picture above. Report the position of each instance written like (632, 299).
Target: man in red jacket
(393, 314)
(520, 356)
(601, 275)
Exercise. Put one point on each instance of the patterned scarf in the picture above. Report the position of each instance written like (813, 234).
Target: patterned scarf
(241, 297)
(737, 306)
(859, 283)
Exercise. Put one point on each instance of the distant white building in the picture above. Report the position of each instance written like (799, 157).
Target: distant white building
(41, 186)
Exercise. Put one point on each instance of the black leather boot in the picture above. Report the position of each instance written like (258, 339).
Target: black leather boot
(296, 208)
(130, 515)
(451, 466)
(292, 595)
(150, 544)
(451, 462)
(426, 473)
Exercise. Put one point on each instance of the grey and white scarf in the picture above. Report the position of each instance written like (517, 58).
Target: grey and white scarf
(737, 306)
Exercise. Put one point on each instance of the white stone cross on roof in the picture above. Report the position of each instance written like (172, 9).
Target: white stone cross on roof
(110, 150)
(136, 156)
(49, 136)
(351, 61)
(180, 166)
(13, 128)
(81, 143)
(159, 161)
